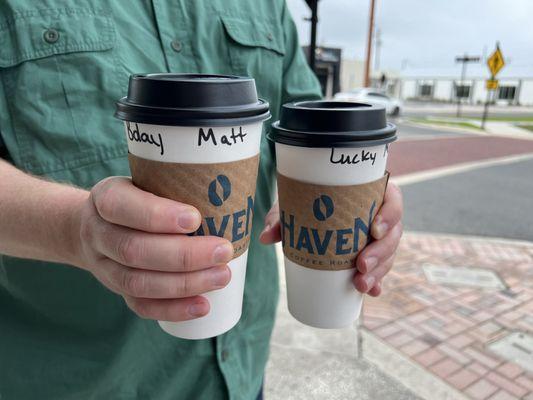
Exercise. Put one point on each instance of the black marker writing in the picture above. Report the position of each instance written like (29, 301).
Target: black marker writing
(228, 140)
(143, 137)
(352, 158)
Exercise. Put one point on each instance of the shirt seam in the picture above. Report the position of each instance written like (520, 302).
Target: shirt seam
(43, 12)
(39, 53)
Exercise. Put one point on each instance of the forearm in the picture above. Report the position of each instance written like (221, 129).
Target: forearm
(38, 218)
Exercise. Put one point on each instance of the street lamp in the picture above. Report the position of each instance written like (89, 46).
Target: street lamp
(465, 60)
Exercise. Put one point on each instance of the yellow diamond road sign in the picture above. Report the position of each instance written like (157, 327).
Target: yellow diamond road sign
(496, 61)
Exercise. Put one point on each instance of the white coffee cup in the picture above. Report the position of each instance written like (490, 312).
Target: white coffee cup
(309, 141)
(209, 134)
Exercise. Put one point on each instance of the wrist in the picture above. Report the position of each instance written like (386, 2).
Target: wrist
(72, 245)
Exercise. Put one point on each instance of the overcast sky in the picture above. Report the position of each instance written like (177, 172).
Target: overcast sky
(427, 34)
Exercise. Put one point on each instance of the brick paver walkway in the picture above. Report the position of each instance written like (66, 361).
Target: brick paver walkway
(448, 329)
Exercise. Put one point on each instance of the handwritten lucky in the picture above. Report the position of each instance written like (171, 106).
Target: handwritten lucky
(352, 158)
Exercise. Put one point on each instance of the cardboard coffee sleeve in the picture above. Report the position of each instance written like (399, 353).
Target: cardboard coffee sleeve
(222, 192)
(325, 227)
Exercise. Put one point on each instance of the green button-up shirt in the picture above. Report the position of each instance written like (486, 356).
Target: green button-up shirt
(63, 64)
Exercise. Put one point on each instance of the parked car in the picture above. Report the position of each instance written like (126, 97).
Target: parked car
(393, 106)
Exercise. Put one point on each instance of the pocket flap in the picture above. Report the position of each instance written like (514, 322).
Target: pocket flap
(34, 34)
(254, 33)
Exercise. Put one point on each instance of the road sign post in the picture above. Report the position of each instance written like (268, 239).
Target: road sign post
(495, 63)
(465, 60)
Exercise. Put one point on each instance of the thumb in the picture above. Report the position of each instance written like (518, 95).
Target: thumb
(271, 232)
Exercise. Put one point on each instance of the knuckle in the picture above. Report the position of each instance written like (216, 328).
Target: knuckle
(395, 188)
(141, 308)
(153, 214)
(186, 257)
(133, 283)
(105, 199)
(396, 193)
(87, 229)
(184, 287)
(129, 249)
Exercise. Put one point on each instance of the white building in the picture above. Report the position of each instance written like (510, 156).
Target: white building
(512, 91)
(428, 86)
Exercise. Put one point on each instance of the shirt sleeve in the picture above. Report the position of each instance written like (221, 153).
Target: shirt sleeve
(299, 81)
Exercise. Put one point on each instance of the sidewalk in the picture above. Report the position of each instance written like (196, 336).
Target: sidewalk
(456, 311)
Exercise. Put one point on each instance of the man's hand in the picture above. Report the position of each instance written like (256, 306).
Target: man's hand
(135, 243)
(376, 260)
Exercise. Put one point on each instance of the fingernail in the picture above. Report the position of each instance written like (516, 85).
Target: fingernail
(188, 220)
(381, 228)
(220, 277)
(198, 309)
(223, 253)
(370, 263)
(369, 280)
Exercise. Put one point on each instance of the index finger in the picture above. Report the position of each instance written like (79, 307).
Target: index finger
(118, 201)
(390, 212)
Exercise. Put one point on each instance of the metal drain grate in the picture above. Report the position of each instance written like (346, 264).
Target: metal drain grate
(462, 276)
(516, 347)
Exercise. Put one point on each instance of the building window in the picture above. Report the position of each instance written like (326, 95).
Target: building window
(462, 91)
(425, 90)
(506, 92)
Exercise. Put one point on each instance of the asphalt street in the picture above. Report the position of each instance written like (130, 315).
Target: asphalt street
(494, 201)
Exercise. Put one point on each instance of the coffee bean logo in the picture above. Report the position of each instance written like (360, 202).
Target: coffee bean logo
(323, 207)
(218, 185)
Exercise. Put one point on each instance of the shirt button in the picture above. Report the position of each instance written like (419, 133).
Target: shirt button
(224, 355)
(176, 45)
(270, 37)
(51, 35)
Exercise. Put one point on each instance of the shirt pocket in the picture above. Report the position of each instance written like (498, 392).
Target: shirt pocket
(256, 48)
(61, 77)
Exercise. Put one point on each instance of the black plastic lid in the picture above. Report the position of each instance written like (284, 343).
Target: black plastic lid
(191, 100)
(332, 124)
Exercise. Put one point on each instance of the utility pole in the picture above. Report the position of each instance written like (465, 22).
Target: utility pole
(313, 5)
(495, 63)
(369, 43)
(378, 49)
(464, 60)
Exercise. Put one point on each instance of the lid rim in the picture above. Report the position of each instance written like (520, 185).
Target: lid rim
(249, 108)
(154, 119)
(291, 141)
(331, 138)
